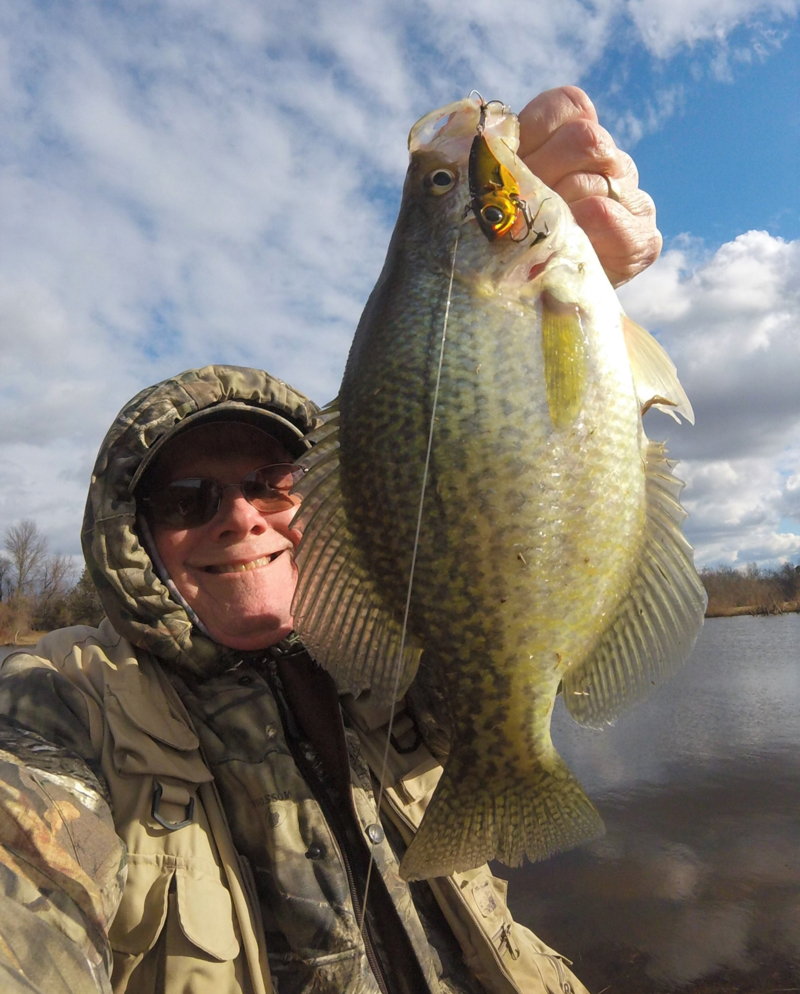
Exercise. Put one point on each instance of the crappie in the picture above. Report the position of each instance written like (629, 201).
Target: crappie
(550, 551)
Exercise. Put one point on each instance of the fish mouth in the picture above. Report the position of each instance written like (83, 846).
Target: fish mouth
(221, 569)
(512, 208)
(455, 125)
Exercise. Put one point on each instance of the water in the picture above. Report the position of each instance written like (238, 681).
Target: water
(6, 650)
(696, 885)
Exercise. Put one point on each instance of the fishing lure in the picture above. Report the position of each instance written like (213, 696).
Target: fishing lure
(494, 193)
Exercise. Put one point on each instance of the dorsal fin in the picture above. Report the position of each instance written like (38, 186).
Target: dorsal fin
(338, 611)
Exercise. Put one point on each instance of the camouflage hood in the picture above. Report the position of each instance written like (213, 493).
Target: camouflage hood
(137, 602)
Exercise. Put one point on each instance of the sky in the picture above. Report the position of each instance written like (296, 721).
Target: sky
(185, 182)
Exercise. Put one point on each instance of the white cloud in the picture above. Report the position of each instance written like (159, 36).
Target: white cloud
(731, 323)
(664, 26)
(630, 126)
(186, 182)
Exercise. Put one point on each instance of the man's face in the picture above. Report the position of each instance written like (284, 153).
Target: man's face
(237, 571)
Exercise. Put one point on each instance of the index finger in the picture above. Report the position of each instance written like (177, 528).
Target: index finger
(545, 114)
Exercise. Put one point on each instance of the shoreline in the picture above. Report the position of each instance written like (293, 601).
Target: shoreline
(753, 610)
(788, 607)
(24, 641)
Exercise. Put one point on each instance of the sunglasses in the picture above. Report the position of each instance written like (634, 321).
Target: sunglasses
(194, 502)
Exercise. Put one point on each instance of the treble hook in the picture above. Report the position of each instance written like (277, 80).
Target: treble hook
(530, 221)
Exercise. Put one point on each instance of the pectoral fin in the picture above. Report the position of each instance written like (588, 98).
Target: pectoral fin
(654, 375)
(565, 360)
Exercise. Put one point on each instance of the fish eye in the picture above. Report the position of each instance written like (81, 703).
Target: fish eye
(440, 181)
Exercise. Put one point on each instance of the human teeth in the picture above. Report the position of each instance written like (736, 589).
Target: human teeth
(244, 567)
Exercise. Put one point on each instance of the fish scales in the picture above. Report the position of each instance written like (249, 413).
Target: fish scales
(539, 558)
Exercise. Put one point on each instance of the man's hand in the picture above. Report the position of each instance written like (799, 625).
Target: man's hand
(563, 144)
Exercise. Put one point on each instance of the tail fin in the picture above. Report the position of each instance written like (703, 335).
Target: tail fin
(469, 822)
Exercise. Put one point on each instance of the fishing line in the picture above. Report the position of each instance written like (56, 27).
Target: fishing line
(415, 547)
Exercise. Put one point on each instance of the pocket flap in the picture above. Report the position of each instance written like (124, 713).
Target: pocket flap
(149, 713)
(143, 908)
(142, 693)
(139, 751)
(206, 913)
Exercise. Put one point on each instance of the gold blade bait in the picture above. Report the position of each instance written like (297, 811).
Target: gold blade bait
(494, 192)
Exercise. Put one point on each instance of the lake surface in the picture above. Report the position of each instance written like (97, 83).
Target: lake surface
(696, 885)
(6, 650)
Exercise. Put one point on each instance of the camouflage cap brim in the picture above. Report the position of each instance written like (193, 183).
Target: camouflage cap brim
(290, 436)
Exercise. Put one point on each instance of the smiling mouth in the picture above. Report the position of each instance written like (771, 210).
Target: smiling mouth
(244, 567)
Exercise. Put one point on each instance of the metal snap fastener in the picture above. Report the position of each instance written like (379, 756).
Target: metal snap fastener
(245, 681)
(315, 852)
(375, 834)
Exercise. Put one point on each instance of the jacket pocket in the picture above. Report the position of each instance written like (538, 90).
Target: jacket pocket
(143, 909)
(204, 906)
(206, 913)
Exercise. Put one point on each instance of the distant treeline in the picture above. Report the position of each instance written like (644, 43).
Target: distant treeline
(40, 590)
(751, 590)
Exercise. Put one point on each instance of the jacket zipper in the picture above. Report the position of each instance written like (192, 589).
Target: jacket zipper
(363, 923)
(293, 737)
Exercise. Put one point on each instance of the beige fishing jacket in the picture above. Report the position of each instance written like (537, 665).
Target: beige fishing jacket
(178, 817)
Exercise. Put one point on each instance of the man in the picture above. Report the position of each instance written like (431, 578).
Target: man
(183, 805)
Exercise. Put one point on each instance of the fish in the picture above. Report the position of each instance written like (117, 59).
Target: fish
(483, 489)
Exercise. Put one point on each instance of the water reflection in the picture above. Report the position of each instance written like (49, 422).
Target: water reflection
(696, 885)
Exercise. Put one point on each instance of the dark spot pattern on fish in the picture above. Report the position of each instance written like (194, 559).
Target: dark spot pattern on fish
(536, 471)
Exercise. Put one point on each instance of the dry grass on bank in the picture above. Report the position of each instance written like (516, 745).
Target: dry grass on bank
(726, 611)
(23, 639)
(751, 590)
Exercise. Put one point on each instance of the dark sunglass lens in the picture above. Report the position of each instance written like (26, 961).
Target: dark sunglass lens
(268, 489)
(186, 503)
(281, 476)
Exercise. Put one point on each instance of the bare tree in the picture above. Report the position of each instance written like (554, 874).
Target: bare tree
(5, 578)
(27, 550)
(56, 577)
